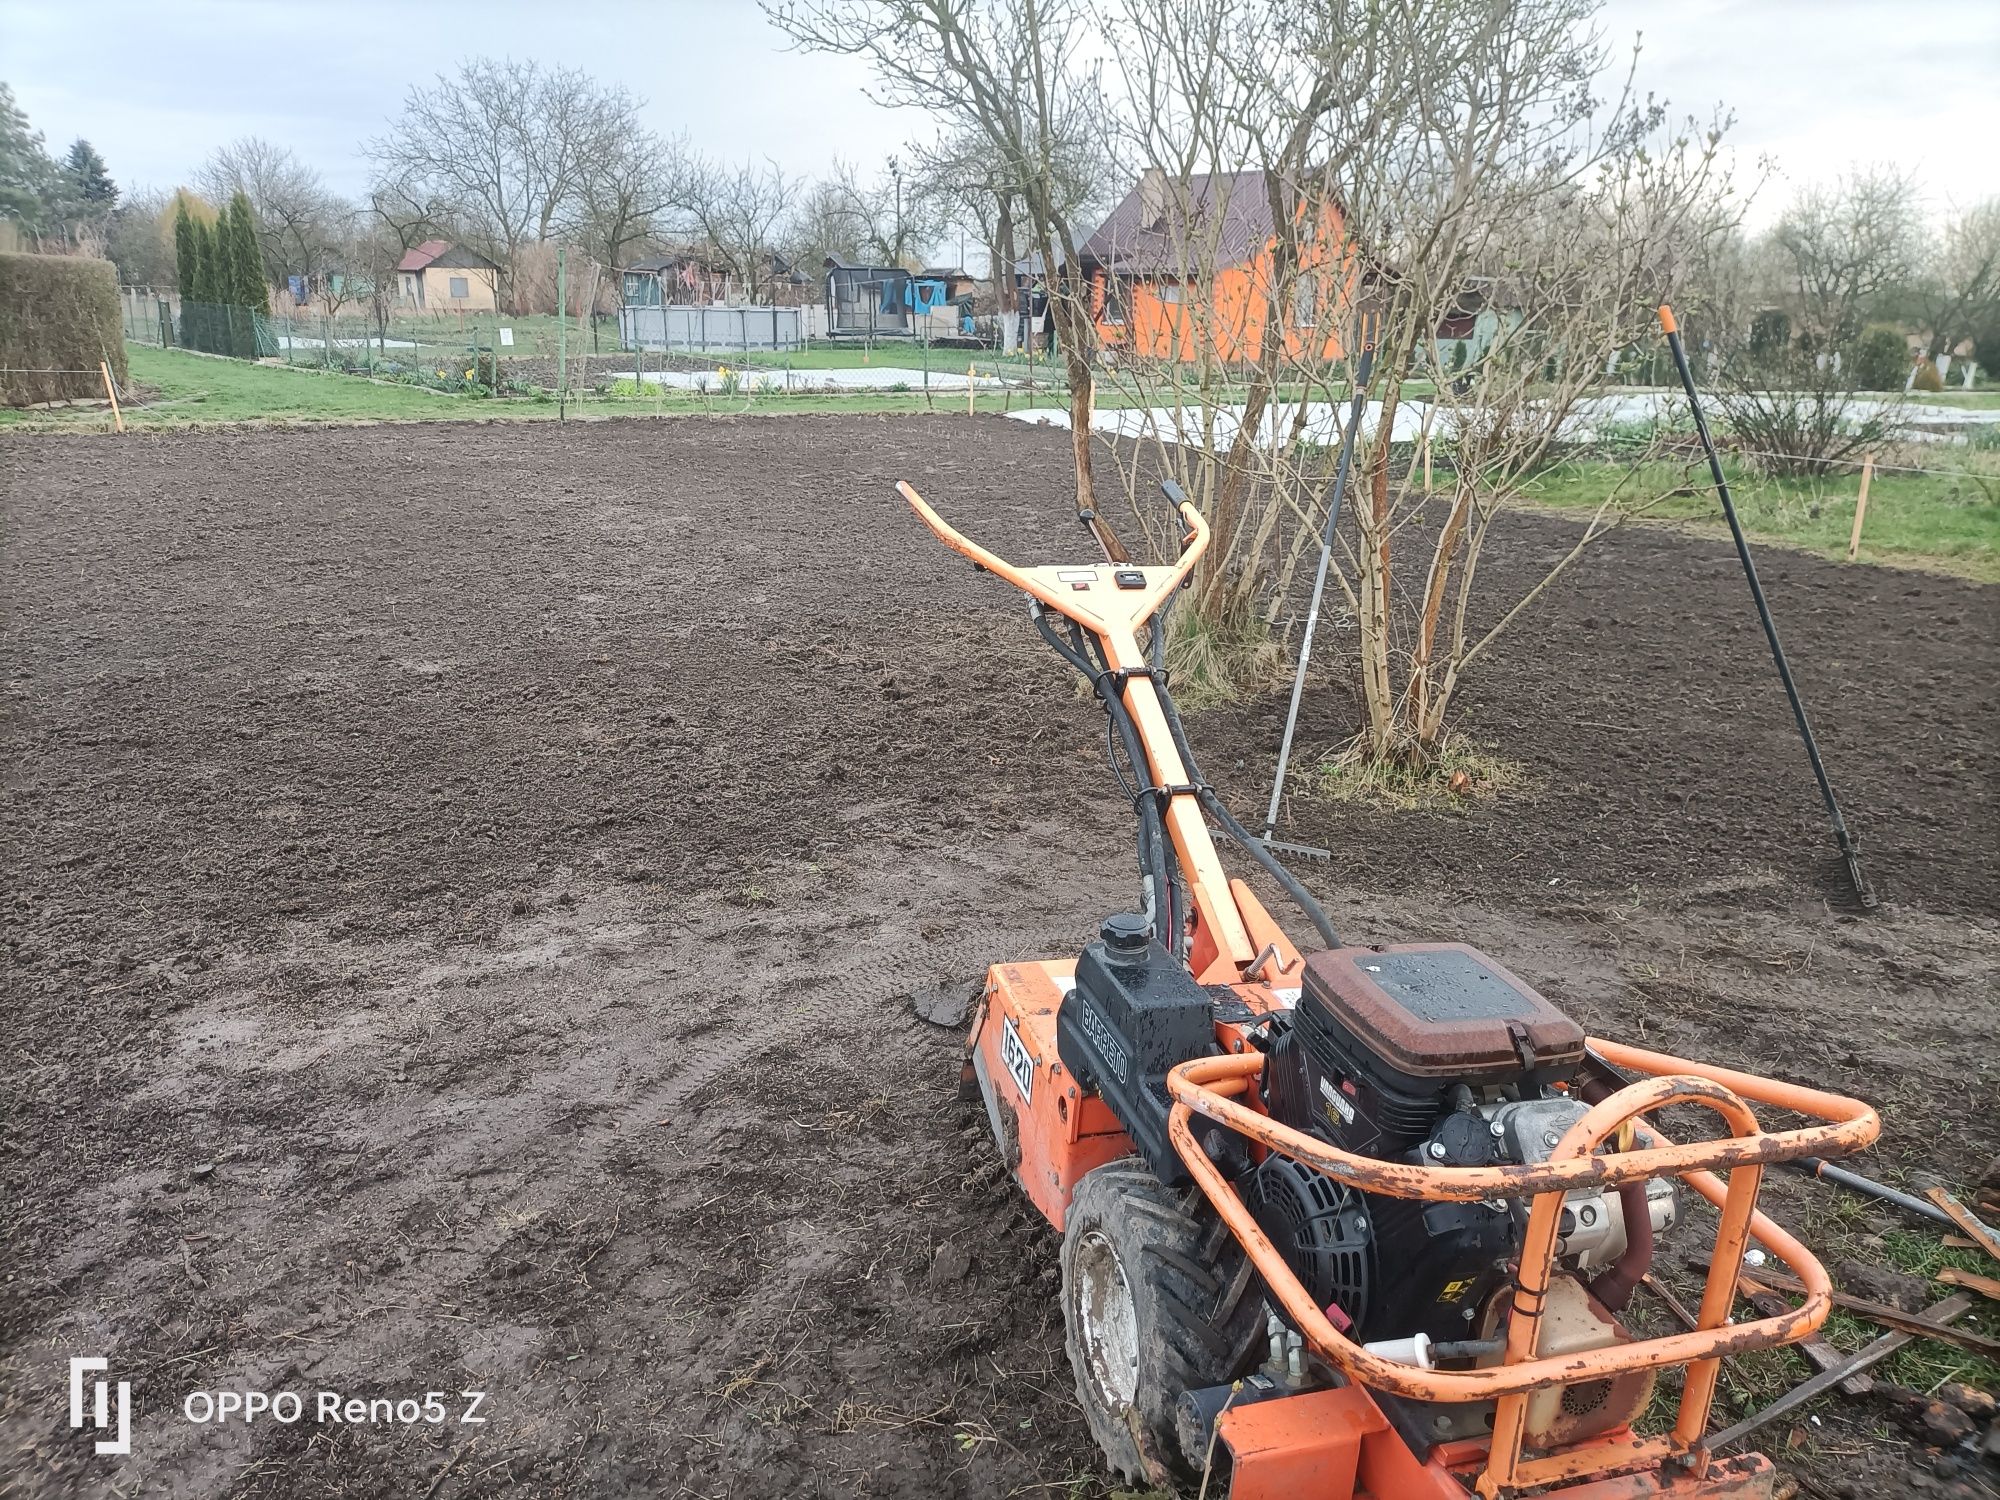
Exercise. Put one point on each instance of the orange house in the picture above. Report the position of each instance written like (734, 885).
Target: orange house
(1184, 267)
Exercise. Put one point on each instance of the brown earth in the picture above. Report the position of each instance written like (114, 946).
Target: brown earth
(466, 882)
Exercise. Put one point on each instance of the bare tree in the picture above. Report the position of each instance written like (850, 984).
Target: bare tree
(896, 217)
(1418, 160)
(1956, 290)
(507, 146)
(739, 214)
(1840, 246)
(625, 192)
(822, 224)
(975, 191)
(1018, 75)
(299, 220)
(1786, 379)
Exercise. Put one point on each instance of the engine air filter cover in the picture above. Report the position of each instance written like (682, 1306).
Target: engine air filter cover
(1442, 1010)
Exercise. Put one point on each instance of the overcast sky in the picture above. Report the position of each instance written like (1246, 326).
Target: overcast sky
(157, 84)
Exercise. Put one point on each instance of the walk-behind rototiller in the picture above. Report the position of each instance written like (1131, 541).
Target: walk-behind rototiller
(1360, 1222)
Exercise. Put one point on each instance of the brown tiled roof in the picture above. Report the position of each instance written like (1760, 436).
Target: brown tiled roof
(423, 255)
(1137, 240)
(445, 254)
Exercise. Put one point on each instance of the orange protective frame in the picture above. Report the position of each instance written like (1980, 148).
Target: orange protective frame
(1209, 1086)
(1235, 941)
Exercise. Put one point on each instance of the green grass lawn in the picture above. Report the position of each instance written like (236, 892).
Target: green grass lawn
(1948, 520)
(182, 389)
(1972, 400)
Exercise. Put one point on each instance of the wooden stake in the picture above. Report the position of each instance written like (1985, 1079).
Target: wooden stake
(1883, 1313)
(1427, 463)
(1860, 506)
(1988, 1240)
(1986, 1286)
(968, 390)
(1826, 1380)
(117, 417)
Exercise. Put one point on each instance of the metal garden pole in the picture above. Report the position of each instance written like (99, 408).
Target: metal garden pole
(1841, 837)
(562, 328)
(1348, 438)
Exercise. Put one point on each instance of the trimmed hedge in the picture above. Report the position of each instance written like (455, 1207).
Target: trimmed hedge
(58, 312)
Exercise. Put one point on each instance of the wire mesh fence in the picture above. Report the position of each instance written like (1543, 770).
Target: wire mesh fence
(580, 359)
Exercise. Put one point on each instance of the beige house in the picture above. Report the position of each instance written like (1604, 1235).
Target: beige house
(439, 276)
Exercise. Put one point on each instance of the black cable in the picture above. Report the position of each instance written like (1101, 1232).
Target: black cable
(1254, 846)
(1153, 844)
(1111, 754)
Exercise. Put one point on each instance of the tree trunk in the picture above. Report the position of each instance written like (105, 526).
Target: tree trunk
(1005, 293)
(1377, 584)
(1421, 723)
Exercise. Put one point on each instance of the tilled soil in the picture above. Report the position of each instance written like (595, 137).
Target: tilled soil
(467, 882)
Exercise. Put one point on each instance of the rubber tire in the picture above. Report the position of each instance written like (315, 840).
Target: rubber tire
(1198, 1311)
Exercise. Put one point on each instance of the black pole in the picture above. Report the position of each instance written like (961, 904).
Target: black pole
(1840, 833)
(1812, 1166)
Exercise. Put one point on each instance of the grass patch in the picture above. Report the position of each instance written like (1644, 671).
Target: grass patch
(1458, 775)
(1950, 521)
(1976, 399)
(1212, 663)
(193, 389)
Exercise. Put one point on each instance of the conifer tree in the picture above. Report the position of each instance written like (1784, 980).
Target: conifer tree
(250, 288)
(184, 252)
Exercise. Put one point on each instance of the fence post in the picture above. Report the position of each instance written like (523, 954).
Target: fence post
(1860, 506)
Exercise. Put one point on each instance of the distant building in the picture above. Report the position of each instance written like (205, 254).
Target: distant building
(1185, 265)
(439, 276)
(682, 278)
(691, 278)
(1480, 314)
(866, 301)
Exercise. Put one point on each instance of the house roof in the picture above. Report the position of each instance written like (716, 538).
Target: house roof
(422, 255)
(445, 254)
(1164, 225)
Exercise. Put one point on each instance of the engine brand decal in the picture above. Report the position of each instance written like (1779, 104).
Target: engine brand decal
(1336, 1101)
(1015, 1056)
(1105, 1043)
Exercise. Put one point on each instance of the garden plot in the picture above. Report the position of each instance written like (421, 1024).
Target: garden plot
(468, 882)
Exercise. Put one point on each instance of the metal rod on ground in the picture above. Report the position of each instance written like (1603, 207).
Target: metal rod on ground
(1840, 833)
(1347, 440)
(1812, 1166)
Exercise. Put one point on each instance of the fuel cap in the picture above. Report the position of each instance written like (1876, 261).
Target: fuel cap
(1126, 933)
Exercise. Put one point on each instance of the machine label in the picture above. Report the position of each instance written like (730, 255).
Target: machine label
(1016, 1058)
(1106, 1044)
(1336, 1101)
